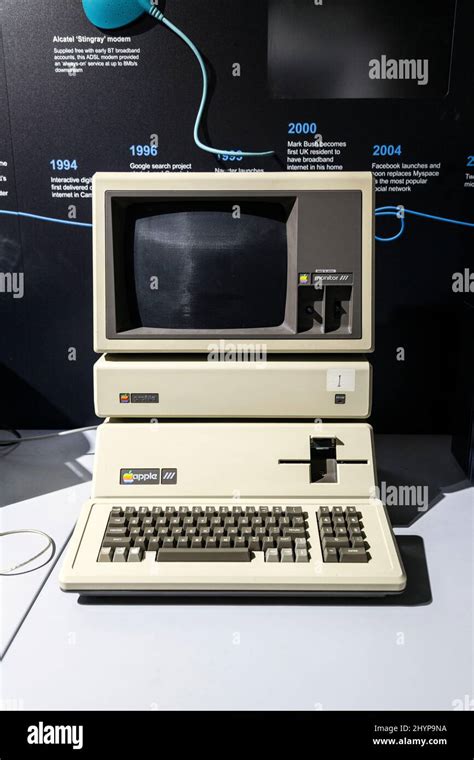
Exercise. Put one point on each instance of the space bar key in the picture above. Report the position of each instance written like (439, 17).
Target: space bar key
(203, 555)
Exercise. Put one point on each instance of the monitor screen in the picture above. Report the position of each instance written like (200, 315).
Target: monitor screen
(206, 265)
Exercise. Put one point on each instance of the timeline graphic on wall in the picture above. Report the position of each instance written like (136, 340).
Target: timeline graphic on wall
(292, 85)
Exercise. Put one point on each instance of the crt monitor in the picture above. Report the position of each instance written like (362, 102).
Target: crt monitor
(281, 259)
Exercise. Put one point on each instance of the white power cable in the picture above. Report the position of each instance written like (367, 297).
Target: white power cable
(50, 544)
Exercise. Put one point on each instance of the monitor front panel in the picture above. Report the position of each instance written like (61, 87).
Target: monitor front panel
(283, 261)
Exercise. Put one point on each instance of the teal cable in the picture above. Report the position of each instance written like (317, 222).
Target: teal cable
(71, 222)
(159, 16)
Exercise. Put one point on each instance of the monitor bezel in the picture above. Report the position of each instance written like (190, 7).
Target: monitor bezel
(106, 186)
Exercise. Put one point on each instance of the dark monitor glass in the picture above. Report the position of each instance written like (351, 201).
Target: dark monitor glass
(360, 49)
(202, 265)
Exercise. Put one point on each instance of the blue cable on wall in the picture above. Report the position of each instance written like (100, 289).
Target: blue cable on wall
(53, 219)
(396, 211)
(400, 211)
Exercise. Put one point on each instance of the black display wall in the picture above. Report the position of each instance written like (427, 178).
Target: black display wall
(72, 106)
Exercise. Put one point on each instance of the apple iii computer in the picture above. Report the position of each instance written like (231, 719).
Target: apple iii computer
(233, 312)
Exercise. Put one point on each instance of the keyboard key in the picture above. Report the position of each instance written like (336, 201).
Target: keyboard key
(111, 531)
(117, 522)
(197, 543)
(268, 543)
(337, 511)
(116, 512)
(287, 542)
(325, 522)
(153, 544)
(297, 522)
(294, 511)
(336, 543)
(338, 532)
(141, 542)
(326, 531)
(120, 554)
(357, 542)
(294, 532)
(330, 554)
(353, 522)
(203, 555)
(339, 522)
(239, 542)
(271, 555)
(168, 542)
(351, 511)
(225, 543)
(135, 554)
(324, 512)
(105, 554)
(286, 555)
(353, 555)
(182, 542)
(211, 543)
(254, 543)
(117, 541)
(301, 555)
